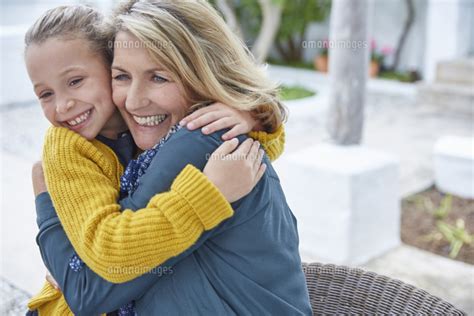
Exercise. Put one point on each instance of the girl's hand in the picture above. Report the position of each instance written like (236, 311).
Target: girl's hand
(52, 281)
(235, 172)
(219, 116)
(37, 176)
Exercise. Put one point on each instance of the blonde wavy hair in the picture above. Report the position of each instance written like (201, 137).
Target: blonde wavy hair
(191, 40)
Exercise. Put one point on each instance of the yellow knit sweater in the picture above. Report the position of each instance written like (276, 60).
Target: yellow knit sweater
(83, 179)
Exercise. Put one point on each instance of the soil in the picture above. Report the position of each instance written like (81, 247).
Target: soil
(418, 226)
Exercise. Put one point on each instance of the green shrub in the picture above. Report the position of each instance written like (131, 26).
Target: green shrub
(295, 92)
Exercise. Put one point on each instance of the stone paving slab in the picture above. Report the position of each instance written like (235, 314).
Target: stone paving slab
(450, 280)
(13, 300)
(21, 138)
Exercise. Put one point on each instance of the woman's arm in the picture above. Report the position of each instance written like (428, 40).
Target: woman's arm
(85, 292)
(121, 246)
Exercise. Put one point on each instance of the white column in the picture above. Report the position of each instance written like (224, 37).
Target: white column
(447, 33)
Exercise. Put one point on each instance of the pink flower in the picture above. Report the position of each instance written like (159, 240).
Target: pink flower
(373, 44)
(326, 43)
(387, 50)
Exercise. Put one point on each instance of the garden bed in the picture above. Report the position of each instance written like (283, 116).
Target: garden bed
(433, 221)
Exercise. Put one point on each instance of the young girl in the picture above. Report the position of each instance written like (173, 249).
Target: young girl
(74, 91)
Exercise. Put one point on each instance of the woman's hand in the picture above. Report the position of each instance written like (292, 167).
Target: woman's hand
(37, 175)
(235, 172)
(219, 116)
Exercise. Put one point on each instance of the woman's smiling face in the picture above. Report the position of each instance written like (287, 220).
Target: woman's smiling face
(146, 95)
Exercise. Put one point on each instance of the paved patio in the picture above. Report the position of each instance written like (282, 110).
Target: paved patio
(394, 123)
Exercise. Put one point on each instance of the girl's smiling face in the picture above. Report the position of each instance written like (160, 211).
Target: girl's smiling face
(146, 95)
(73, 86)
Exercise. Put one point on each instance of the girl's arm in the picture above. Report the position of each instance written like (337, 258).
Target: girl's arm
(273, 143)
(219, 116)
(83, 179)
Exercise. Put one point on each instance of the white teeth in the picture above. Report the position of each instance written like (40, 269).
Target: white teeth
(152, 120)
(79, 119)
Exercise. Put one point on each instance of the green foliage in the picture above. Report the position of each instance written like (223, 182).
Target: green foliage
(280, 2)
(296, 17)
(249, 14)
(445, 206)
(297, 14)
(295, 64)
(457, 236)
(439, 212)
(294, 93)
(397, 75)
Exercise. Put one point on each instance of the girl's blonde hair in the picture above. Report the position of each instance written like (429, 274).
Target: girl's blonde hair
(71, 22)
(191, 40)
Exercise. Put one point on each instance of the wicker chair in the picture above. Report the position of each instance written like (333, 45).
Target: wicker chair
(336, 290)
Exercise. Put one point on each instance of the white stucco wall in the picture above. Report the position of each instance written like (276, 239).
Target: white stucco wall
(447, 32)
(442, 29)
(387, 19)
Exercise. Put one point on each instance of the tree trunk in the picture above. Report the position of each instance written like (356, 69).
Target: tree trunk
(291, 48)
(293, 51)
(229, 15)
(282, 51)
(348, 70)
(300, 39)
(403, 36)
(271, 16)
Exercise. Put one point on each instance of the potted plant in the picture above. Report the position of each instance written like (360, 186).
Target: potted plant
(377, 58)
(321, 61)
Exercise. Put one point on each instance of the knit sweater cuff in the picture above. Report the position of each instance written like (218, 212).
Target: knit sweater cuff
(273, 143)
(48, 293)
(207, 201)
(262, 136)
